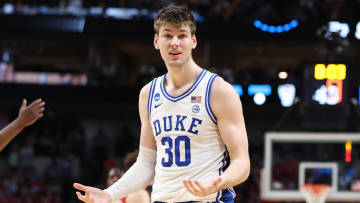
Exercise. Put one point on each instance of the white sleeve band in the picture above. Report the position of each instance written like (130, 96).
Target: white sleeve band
(137, 177)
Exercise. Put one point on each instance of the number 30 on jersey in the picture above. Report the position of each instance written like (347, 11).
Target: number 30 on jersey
(174, 147)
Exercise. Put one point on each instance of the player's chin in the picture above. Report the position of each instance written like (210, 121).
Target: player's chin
(175, 63)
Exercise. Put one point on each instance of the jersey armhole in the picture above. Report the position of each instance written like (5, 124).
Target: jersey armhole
(207, 98)
(151, 95)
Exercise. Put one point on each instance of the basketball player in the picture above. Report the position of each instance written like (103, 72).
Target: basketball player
(27, 116)
(192, 125)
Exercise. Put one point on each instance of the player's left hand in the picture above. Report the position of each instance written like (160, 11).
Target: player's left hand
(201, 190)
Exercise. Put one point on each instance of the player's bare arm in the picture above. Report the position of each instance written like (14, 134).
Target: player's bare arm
(227, 108)
(27, 116)
(125, 185)
(146, 139)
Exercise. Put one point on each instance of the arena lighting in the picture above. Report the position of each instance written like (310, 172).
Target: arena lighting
(276, 28)
(357, 31)
(259, 98)
(287, 93)
(238, 89)
(283, 75)
(254, 88)
(122, 13)
(9, 8)
(260, 92)
(331, 93)
(348, 149)
(342, 28)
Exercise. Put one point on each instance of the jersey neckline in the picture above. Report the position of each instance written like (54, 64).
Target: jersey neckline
(186, 93)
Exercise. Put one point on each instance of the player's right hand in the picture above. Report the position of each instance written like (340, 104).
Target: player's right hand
(92, 195)
(29, 114)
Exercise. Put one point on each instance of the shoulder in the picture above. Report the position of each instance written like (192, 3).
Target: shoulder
(224, 100)
(143, 100)
(144, 92)
(222, 88)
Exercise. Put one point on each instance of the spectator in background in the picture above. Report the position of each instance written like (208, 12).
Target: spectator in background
(27, 116)
(26, 154)
(113, 175)
(116, 173)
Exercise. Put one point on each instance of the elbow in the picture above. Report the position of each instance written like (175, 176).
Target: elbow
(246, 172)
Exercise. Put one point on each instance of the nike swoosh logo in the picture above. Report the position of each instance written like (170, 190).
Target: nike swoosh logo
(157, 105)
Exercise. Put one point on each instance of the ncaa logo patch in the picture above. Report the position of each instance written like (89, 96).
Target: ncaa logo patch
(157, 97)
(195, 108)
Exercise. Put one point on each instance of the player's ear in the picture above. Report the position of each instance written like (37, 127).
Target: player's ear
(193, 38)
(156, 39)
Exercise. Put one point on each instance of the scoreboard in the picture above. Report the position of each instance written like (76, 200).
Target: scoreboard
(325, 84)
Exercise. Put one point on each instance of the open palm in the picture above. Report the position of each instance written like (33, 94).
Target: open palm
(201, 190)
(92, 194)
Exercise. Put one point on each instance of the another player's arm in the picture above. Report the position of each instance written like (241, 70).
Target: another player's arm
(227, 109)
(27, 116)
(137, 176)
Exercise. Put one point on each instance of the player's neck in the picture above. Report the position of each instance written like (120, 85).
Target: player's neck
(179, 76)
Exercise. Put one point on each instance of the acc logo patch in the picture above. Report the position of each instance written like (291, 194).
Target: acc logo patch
(157, 97)
(195, 108)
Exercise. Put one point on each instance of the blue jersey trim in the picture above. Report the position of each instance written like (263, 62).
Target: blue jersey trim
(207, 98)
(227, 201)
(226, 195)
(185, 94)
(175, 202)
(151, 95)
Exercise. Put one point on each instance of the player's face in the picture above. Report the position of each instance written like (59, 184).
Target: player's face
(175, 44)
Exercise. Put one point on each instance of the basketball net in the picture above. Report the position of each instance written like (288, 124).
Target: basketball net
(315, 193)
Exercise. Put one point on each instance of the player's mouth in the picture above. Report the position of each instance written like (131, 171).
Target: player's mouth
(175, 54)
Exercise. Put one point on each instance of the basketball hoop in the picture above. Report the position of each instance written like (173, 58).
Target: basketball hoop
(315, 193)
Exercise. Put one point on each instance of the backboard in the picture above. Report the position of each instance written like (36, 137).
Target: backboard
(293, 159)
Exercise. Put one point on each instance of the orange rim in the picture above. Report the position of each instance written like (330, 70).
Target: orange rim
(316, 189)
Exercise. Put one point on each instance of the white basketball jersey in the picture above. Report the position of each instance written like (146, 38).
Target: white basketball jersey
(188, 142)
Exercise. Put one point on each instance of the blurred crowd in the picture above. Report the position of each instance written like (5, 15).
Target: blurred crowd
(43, 162)
(260, 74)
(273, 12)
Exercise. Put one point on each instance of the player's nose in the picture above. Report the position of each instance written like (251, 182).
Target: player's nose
(175, 41)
